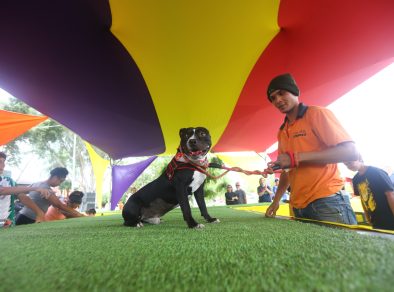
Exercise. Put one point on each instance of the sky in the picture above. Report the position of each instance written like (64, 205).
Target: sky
(366, 112)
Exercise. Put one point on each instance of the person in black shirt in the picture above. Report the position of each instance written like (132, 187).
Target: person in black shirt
(240, 194)
(376, 190)
(231, 197)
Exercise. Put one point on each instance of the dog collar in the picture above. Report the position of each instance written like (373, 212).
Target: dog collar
(183, 157)
(181, 161)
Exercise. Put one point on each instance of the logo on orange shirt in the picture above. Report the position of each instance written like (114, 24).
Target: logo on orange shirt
(301, 133)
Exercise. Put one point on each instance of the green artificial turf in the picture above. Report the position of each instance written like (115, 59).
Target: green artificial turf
(245, 252)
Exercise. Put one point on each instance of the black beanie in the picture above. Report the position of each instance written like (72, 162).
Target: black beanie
(285, 82)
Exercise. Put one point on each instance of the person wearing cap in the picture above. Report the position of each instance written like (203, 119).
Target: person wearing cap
(73, 201)
(240, 193)
(311, 142)
(57, 176)
(275, 187)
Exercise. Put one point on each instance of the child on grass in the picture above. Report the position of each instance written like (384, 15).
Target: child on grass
(73, 201)
(91, 212)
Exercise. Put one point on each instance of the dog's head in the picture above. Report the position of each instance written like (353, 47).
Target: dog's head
(195, 142)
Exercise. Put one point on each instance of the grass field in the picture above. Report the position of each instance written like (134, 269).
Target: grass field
(245, 252)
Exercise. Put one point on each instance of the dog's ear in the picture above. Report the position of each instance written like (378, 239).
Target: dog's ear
(181, 132)
(203, 129)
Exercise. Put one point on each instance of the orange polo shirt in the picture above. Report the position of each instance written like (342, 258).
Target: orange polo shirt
(315, 129)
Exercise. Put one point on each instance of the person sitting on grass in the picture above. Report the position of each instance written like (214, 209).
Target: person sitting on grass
(57, 176)
(8, 193)
(73, 201)
(91, 212)
(376, 190)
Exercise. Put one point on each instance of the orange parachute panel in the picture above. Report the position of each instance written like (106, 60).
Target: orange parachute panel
(13, 125)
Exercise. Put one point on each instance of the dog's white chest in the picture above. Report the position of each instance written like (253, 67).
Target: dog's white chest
(198, 179)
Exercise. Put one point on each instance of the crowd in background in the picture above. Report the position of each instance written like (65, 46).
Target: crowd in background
(264, 193)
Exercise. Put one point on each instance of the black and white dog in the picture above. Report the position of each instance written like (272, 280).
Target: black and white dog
(185, 175)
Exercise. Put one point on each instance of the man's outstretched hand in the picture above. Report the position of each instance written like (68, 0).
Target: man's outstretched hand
(271, 210)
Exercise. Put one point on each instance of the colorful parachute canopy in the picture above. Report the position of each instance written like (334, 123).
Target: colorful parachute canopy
(13, 125)
(123, 176)
(127, 75)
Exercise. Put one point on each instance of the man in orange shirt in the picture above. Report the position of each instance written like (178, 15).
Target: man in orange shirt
(74, 200)
(311, 143)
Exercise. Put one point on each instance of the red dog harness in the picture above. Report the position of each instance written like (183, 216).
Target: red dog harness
(180, 161)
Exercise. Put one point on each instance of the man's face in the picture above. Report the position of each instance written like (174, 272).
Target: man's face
(283, 100)
(2, 164)
(57, 181)
(238, 186)
(353, 165)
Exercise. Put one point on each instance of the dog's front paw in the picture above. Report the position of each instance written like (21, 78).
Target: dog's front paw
(213, 220)
(154, 220)
(139, 225)
(199, 226)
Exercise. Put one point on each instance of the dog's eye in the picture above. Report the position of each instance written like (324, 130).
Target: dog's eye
(203, 134)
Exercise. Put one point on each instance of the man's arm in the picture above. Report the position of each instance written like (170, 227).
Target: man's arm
(24, 190)
(40, 215)
(234, 196)
(390, 200)
(21, 193)
(261, 192)
(282, 187)
(66, 210)
(342, 152)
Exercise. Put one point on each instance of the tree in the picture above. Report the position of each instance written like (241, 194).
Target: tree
(215, 187)
(53, 143)
(65, 186)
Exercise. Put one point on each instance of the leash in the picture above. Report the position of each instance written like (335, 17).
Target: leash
(276, 169)
(204, 165)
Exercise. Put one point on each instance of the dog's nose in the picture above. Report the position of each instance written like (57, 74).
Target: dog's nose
(192, 141)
